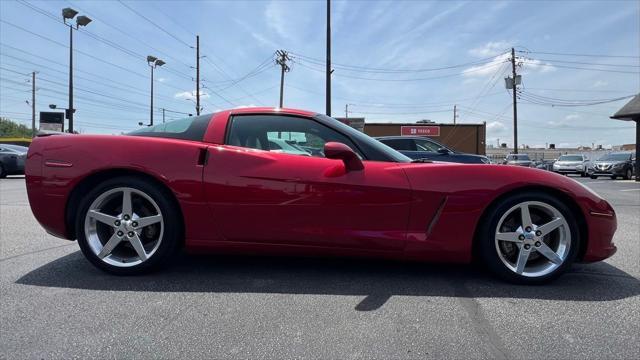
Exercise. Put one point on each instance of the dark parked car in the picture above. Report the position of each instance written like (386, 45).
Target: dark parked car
(518, 159)
(12, 159)
(419, 147)
(613, 165)
(545, 164)
(572, 164)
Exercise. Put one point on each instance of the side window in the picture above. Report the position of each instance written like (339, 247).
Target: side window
(426, 145)
(400, 144)
(285, 134)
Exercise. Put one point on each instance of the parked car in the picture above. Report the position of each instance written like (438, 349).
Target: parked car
(613, 165)
(572, 164)
(12, 159)
(420, 147)
(518, 159)
(286, 147)
(544, 164)
(212, 183)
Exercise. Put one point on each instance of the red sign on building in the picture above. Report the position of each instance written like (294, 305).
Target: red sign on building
(420, 130)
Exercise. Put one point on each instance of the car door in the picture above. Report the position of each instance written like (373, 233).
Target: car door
(262, 196)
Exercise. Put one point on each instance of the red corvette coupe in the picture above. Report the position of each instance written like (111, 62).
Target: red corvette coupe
(283, 181)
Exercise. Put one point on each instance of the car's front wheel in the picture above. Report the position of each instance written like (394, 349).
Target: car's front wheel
(628, 174)
(529, 238)
(128, 225)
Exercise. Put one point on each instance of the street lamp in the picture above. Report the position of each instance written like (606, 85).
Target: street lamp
(68, 14)
(153, 62)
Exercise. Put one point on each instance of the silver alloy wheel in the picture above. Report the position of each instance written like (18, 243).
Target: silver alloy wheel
(533, 239)
(124, 227)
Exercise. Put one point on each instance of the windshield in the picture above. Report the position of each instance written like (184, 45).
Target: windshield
(16, 148)
(615, 157)
(361, 137)
(570, 158)
(190, 128)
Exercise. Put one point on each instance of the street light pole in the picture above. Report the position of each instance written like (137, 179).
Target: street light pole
(68, 14)
(151, 109)
(71, 110)
(153, 62)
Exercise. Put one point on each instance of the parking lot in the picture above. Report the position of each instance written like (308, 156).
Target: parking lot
(54, 304)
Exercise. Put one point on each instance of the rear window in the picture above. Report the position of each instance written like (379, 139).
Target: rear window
(518, 157)
(190, 128)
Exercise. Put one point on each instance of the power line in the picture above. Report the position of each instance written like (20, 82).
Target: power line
(582, 55)
(154, 24)
(364, 69)
(482, 68)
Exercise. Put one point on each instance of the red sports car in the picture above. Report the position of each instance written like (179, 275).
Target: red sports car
(283, 181)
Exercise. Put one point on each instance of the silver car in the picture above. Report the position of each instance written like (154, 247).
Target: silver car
(572, 164)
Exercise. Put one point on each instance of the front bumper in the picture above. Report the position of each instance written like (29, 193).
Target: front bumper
(612, 171)
(569, 169)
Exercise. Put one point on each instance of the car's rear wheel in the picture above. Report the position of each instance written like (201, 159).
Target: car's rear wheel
(529, 238)
(127, 225)
(3, 174)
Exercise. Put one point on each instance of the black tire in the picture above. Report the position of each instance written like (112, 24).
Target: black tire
(628, 174)
(593, 177)
(3, 174)
(171, 237)
(486, 238)
(613, 177)
(583, 174)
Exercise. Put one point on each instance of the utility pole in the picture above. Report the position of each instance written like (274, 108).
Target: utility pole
(515, 102)
(455, 113)
(328, 93)
(281, 60)
(163, 115)
(346, 111)
(33, 104)
(197, 76)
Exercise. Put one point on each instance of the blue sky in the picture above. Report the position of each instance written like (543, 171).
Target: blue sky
(397, 44)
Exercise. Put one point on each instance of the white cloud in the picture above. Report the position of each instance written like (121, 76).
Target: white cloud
(191, 95)
(569, 121)
(534, 65)
(244, 106)
(489, 68)
(491, 48)
(599, 83)
(526, 65)
(496, 126)
(276, 19)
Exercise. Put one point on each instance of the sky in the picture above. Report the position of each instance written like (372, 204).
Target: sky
(393, 61)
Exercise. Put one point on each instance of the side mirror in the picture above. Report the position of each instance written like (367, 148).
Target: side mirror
(340, 151)
(444, 151)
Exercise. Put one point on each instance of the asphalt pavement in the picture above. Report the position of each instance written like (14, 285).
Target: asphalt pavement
(54, 304)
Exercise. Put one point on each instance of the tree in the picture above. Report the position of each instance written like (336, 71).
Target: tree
(10, 128)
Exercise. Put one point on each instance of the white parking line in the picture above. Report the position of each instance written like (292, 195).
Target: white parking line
(631, 189)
